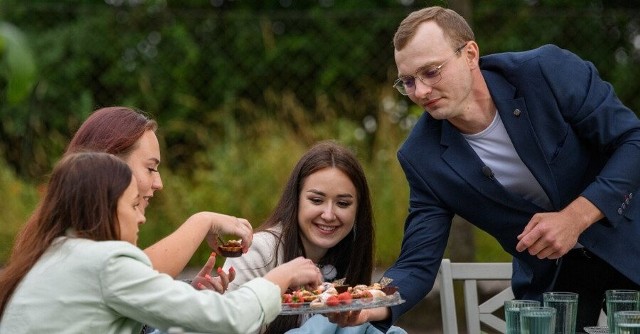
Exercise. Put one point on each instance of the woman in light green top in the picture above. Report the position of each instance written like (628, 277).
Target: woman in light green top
(131, 135)
(75, 267)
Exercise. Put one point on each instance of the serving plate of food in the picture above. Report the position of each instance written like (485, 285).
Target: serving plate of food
(332, 297)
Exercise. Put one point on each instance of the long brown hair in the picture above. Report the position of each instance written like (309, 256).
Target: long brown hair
(114, 130)
(353, 256)
(81, 197)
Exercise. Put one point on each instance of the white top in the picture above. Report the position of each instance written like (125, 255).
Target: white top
(258, 261)
(495, 149)
(84, 286)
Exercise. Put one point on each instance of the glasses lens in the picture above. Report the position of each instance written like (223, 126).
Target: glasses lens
(401, 87)
(430, 74)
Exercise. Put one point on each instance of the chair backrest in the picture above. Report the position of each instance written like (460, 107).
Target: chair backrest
(470, 274)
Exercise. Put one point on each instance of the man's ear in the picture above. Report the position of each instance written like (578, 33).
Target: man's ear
(471, 53)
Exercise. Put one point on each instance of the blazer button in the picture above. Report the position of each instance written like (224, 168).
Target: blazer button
(619, 211)
(517, 112)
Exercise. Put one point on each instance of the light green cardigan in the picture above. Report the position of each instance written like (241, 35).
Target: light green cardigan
(84, 286)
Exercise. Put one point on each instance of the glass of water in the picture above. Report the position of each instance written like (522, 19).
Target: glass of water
(566, 305)
(627, 322)
(620, 300)
(512, 313)
(537, 320)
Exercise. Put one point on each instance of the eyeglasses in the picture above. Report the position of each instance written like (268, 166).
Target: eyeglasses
(428, 75)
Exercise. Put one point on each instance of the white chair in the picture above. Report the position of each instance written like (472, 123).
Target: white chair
(470, 274)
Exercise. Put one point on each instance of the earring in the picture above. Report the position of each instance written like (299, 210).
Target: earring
(354, 232)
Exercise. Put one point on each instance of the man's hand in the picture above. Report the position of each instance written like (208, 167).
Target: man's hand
(348, 318)
(550, 235)
(355, 318)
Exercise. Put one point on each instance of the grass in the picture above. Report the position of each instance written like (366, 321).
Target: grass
(18, 201)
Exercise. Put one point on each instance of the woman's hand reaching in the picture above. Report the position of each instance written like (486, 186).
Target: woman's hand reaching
(295, 273)
(229, 225)
(171, 254)
(203, 280)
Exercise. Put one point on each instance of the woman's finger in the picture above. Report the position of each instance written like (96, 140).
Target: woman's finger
(208, 267)
(224, 278)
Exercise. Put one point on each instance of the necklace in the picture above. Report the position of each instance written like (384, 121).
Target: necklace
(329, 272)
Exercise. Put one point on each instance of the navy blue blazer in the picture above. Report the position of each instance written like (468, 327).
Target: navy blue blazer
(569, 129)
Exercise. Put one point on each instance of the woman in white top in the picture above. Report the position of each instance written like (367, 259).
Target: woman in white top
(75, 267)
(325, 215)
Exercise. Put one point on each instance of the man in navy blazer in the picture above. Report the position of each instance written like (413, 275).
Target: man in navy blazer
(532, 147)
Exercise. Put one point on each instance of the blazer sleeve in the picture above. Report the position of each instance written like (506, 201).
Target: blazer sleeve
(602, 121)
(425, 238)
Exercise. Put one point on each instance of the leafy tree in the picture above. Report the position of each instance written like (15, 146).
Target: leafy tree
(201, 67)
(17, 65)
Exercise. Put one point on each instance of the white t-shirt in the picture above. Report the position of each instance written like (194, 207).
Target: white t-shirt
(495, 149)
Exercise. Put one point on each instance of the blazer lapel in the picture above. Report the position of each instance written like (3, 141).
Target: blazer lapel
(515, 118)
(461, 158)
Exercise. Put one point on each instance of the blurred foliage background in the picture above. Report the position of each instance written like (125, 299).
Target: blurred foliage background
(242, 88)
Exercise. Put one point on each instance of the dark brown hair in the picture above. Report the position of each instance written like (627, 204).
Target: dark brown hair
(455, 27)
(353, 256)
(81, 200)
(114, 130)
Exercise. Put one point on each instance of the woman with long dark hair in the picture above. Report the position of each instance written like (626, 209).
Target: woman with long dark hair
(324, 214)
(75, 266)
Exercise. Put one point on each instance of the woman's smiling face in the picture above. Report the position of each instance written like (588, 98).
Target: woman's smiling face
(144, 161)
(129, 213)
(326, 210)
